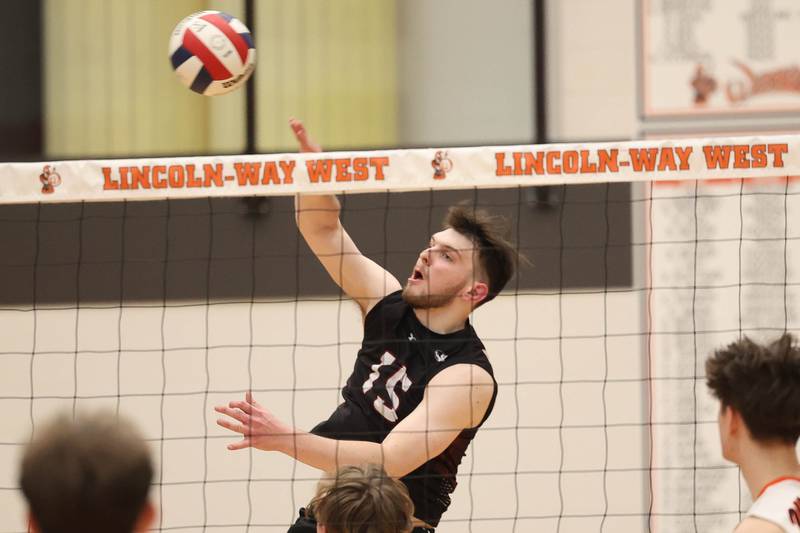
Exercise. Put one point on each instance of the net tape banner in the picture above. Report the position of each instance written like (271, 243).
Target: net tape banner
(399, 170)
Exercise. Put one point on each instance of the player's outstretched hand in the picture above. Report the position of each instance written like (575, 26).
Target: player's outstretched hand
(305, 141)
(259, 428)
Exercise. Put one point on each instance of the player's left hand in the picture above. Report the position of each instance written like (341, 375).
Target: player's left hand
(259, 428)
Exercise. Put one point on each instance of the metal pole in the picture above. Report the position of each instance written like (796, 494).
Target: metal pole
(540, 70)
(250, 98)
(542, 194)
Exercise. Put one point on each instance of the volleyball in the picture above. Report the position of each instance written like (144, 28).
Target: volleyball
(212, 52)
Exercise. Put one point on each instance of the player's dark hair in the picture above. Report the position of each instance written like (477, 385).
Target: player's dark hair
(90, 475)
(762, 383)
(497, 257)
(363, 499)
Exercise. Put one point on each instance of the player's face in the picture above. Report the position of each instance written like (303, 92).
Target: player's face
(443, 271)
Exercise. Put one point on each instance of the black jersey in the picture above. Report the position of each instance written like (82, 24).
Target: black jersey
(397, 359)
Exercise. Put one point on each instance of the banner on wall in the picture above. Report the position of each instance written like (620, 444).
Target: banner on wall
(705, 57)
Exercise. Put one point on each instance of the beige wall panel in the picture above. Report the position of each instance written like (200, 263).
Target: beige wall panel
(592, 70)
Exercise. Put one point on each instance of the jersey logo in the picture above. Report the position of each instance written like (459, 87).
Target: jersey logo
(387, 409)
(411, 336)
(440, 356)
(794, 514)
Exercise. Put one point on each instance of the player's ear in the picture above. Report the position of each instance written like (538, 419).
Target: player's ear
(147, 517)
(731, 421)
(736, 422)
(478, 292)
(33, 527)
(724, 419)
(320, 528)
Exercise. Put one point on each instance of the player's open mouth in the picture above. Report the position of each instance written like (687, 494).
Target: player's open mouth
(416, 275)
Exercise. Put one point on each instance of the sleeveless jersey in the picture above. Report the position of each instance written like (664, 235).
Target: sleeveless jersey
(397, 359)
(779, 503)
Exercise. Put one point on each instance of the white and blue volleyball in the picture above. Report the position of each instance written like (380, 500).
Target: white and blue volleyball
(212, 52)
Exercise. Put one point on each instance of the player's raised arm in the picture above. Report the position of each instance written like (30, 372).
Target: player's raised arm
(317, 217)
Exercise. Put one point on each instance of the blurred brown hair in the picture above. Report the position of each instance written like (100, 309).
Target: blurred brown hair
(90, 475)
(362, 499)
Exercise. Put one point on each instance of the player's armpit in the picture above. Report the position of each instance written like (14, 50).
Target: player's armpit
(757, 525)
(456, 399)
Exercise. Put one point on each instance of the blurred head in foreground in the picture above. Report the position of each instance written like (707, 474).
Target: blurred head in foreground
(88, 475)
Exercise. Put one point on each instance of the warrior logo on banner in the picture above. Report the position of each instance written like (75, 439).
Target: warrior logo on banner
(441, 165)
(50, 179)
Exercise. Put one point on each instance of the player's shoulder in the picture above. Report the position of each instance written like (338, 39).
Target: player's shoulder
(467, 391)
(390, 308)
(776, 509)
(394, 298)
(778, 494)
(463, 373)
(472, 350)
(752, 524)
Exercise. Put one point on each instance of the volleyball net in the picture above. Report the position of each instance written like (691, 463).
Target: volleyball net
(162, 287)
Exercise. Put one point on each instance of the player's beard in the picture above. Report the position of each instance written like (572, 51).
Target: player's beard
(428, 300)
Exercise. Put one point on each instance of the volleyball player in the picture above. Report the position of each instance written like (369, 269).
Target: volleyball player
(422, 384)
(90, 475)
(758, 387)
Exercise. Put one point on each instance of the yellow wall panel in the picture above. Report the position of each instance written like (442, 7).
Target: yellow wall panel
(331, 63)
(110, 90)
(109, 87)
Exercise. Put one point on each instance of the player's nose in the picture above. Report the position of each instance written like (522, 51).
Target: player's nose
(425, 256)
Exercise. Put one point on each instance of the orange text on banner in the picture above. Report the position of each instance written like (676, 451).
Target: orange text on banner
(323, 170)
(191, 176)
(742, 156)
(652, 159)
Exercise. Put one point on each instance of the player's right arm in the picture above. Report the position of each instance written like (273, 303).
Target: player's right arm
(317, 218)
